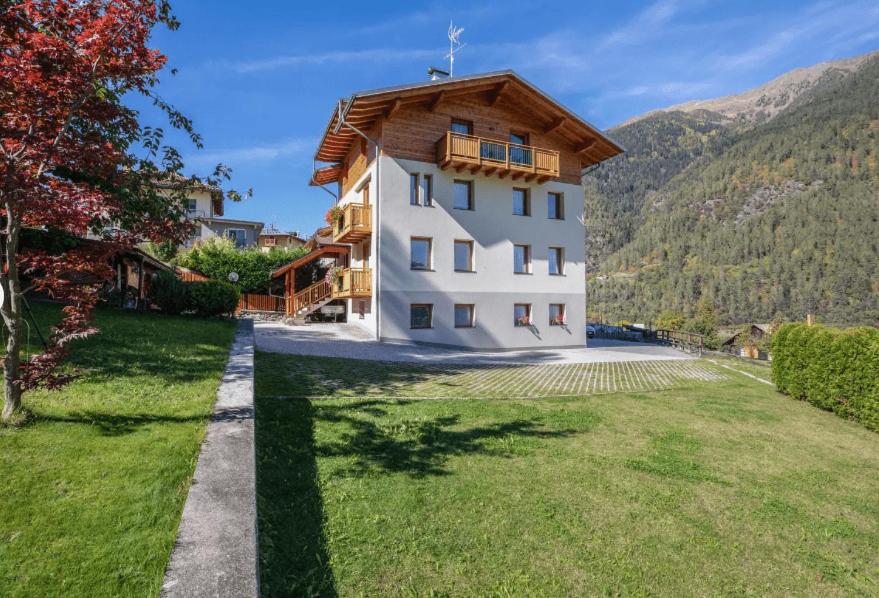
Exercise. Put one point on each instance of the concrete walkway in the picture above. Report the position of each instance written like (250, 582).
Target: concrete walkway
(354, 342)
(216, 549)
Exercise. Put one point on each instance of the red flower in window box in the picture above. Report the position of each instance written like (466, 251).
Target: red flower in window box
(558, 321)
(523, 321)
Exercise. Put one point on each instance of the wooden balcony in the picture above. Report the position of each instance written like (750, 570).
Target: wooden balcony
(491, 156)
(354, 224)
(354, 282)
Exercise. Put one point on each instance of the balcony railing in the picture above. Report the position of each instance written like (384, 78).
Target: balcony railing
(354, 224)
(492, 156)
(353, 282)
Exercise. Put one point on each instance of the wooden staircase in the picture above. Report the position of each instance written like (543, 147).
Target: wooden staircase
(309, 299)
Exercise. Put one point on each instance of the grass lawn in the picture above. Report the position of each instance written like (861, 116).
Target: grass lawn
(94, 482)
(706, 487)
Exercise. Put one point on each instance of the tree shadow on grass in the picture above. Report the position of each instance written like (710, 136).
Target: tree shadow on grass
(112, 424)
(294, 558)
(294, 554)
(420, 447)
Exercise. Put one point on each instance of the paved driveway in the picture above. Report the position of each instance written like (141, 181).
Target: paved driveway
(354, 342)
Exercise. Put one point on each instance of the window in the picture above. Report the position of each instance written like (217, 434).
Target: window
(518, 154)
(364, 194)
(191, 206)
(463, 256)
(463, 198)
(522, 314)
(427, 190)
(556, 260)
(420, 315)
(238, 236)
(555, 206)
(420, 253)
(556, 314)
(269, 241)
(522, 259)
(413, 189)
(462, 127)
(463, 316)
(521, 202)
(420, 189)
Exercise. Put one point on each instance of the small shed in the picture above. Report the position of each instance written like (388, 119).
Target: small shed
(743, 342)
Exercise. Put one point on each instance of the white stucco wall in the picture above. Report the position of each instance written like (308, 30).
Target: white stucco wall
(493, 288)
(363, 309)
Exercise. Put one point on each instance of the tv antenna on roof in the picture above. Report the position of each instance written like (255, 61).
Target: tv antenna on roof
(454, 45)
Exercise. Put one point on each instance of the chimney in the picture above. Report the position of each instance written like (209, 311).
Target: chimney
(435, 73)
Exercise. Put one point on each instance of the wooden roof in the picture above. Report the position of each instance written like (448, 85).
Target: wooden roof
(308, 257)
(327, 174)
(364, 109)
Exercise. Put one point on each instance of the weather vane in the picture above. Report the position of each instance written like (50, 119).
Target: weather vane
(454, 45)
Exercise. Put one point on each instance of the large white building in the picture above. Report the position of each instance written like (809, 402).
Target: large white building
(458, 221)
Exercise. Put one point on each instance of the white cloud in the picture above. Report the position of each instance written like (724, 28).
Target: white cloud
(366, 57)
(253, 153)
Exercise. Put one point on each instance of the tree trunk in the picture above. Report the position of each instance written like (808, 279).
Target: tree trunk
(12, 317)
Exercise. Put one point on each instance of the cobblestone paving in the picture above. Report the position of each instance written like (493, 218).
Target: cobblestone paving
(320, 377)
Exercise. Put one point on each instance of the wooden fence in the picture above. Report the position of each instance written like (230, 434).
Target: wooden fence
(187, 275)
(260, 302)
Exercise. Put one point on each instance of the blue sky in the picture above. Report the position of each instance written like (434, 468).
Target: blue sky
(260, 79)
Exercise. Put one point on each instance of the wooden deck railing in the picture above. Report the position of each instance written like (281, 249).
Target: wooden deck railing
(260, 302)
(308, 296)
(354, 224)
(497, 155)
(354, 282)
(685, 341)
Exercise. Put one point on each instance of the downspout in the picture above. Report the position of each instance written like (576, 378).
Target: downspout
(343, 112)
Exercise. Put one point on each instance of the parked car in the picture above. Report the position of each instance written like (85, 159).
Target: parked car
(590, 331)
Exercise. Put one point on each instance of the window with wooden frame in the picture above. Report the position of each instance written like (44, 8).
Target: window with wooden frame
(521, 202)
(522, 259)
(364, 193)
(555, 206)
(421, 249)
(556, 314)
(462, 127)
(522, 314)
(464, 315)
(463, 195)
(463, 256)
(556, 261)
(269, 241)
(421, 315)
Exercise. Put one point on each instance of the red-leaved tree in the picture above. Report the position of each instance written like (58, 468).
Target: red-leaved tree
(75, 160)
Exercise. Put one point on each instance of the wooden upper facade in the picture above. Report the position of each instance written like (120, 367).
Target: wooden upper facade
(496, 124)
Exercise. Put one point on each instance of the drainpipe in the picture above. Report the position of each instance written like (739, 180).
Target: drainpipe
(343, 113)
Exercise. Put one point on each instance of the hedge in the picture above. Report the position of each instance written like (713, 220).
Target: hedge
(833, 369)
(209, 298)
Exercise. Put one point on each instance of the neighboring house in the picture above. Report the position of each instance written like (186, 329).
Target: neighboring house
(271, 237)
(205, 209)
(460, 203)
(745, 342)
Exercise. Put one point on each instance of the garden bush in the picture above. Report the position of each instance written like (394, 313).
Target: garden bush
(213, 298)
(217, 257)
(833, 369)
(170, 294)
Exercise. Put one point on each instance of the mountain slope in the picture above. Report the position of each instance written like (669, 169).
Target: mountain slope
(763, 103)
(777, 216)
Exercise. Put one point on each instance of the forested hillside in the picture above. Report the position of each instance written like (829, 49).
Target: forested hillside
(781, 217)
